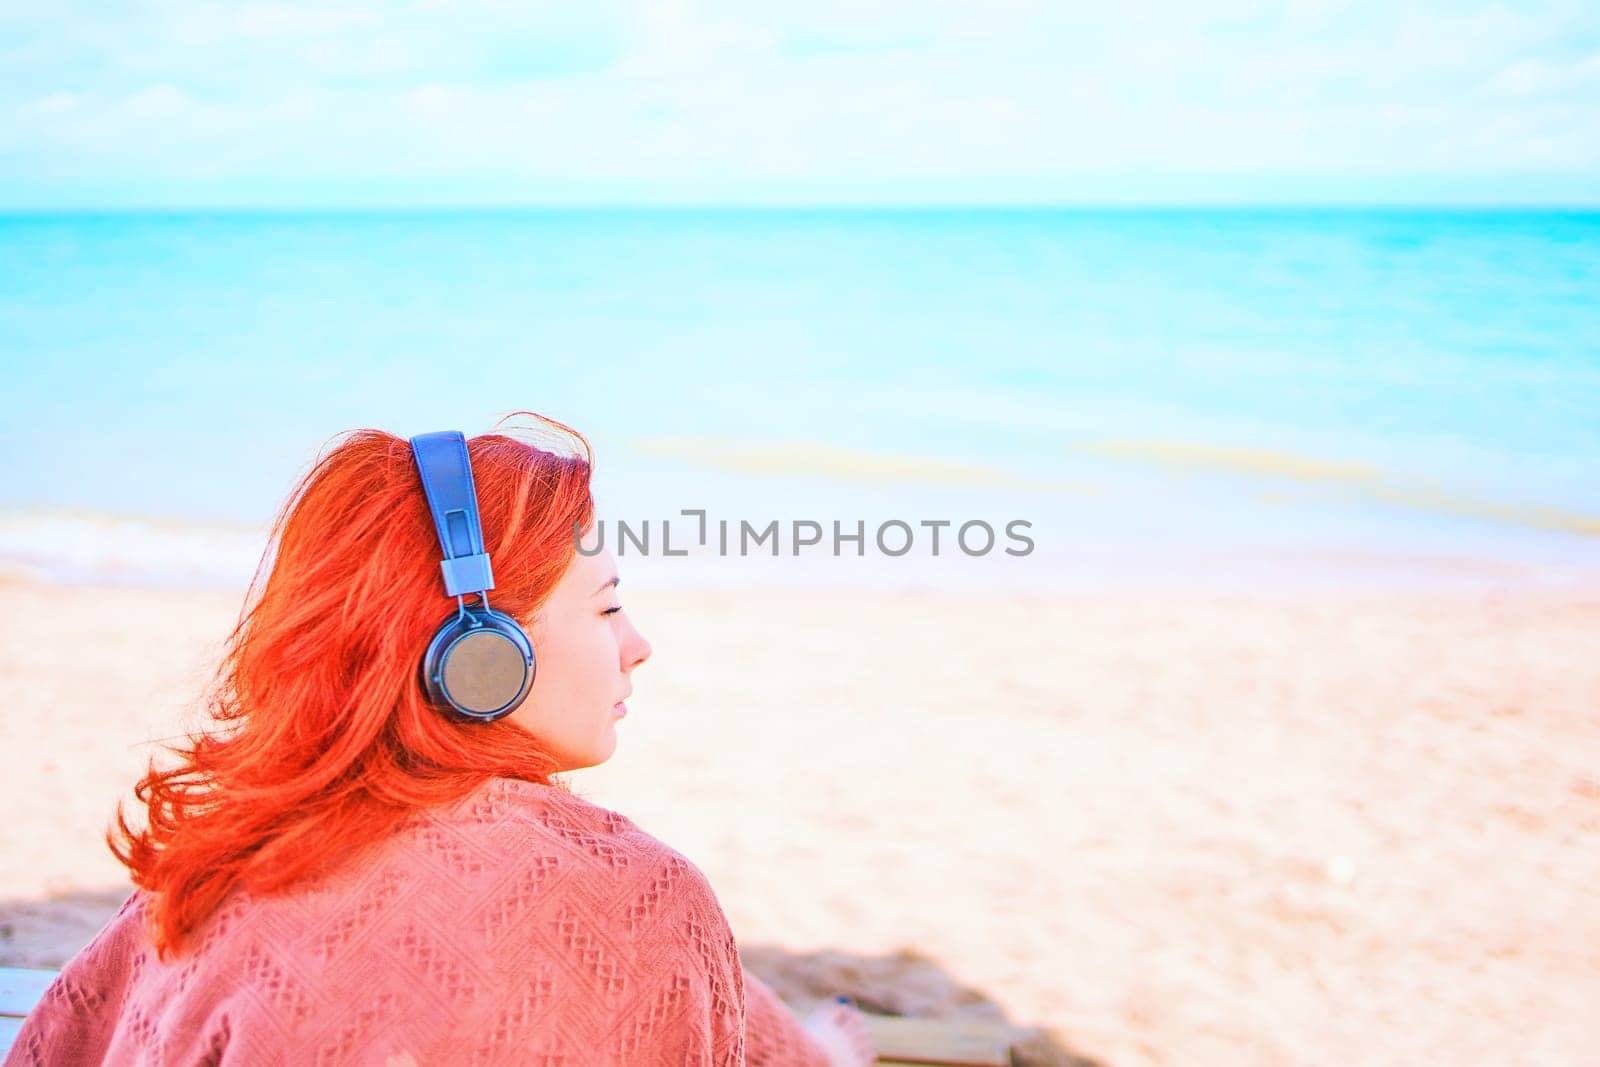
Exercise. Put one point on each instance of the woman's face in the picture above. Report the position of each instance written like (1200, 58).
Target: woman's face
(585, 649)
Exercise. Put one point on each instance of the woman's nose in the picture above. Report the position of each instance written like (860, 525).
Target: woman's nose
(638, 650)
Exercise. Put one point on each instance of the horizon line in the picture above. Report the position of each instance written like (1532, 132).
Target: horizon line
(778, 206)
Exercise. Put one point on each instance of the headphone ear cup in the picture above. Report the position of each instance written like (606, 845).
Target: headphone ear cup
(480, 664)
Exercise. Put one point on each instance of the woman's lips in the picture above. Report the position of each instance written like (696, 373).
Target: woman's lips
(620, 708)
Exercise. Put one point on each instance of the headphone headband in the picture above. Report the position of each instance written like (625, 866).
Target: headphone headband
(480, 663)
(447, 481)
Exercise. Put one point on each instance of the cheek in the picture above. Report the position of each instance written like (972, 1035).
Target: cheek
(553, 664)
(590, 660)
(578, 663)
(603, 654)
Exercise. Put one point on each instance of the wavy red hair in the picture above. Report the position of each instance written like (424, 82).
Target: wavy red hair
(323, 738)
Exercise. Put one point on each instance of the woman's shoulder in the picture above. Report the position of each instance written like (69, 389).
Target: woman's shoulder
(520, 914)
(500, 868)
(503, 809)
(508, 828)
(512, 801)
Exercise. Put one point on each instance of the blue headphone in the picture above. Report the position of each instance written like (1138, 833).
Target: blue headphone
(480, 663)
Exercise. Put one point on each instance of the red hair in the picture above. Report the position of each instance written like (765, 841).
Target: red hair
(326, 738)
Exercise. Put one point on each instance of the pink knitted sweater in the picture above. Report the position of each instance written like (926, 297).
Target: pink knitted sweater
(524, 925)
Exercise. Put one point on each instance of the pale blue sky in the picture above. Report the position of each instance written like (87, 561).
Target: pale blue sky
(439, 102)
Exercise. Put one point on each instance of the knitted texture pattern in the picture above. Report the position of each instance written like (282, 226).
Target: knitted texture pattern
(524, 925)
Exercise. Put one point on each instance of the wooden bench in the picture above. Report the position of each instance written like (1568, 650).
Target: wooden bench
(902, 1042)
(20, 990)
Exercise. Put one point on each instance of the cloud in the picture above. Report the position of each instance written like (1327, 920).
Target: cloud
(1543, 77)
(160, 102)
(284, 20)
(828, 91)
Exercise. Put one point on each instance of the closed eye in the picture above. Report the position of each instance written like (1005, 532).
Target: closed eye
(612, 611)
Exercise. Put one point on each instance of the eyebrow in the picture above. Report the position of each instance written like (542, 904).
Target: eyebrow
(614, 581)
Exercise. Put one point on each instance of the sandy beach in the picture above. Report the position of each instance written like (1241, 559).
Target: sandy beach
(1308, 827)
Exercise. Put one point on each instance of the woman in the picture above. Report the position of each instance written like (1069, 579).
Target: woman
(354, 865)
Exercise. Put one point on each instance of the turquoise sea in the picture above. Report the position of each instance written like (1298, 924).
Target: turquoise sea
(1134, 383)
